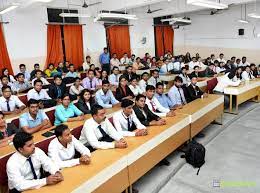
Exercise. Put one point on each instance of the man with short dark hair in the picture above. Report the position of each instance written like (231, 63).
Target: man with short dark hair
(57, 89)
(163, 98)
(114, 77)
(38, 76)
(176, 93)
(23, 167)
(104, 60)
(154, 79)
(34, 120)
(26, 74)
(10, 104)
(90, 82)
(129, 74)
(99, 133)
(33, 73)
(21, 84)
(71, 73)
(63, 148)
(194, 91)
(114, 61)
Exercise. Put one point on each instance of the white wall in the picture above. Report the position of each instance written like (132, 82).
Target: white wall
(219, 33)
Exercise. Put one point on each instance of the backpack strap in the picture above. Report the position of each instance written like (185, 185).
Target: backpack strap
(198, 171)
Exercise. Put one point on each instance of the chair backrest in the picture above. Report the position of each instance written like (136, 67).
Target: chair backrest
(16, 122)
(83, 75)
(23, 98)
(51, 116)
(211, 84)
(43, 145)
(111, 120)
(3, 174)
(76, 132)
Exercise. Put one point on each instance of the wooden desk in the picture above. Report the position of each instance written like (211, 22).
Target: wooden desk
(246, 91)
(168, 77)
(140, 72)
(202, 112)
(145, 152)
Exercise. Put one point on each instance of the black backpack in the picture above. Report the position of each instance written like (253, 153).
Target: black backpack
(195, 154)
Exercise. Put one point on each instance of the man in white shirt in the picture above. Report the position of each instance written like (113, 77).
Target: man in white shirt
(247, 74)
(144, 81)
(154, 105)
(38, 75)
(193, 63)
(23, 167)
(10, 104)
(26, 74)
(62, 149)
(114, 61)
(124, 60)
(154, 79)
(167, 66)
(244, 62)
(87, 64)
(114, 77)
(221, 58)
(126, 122)
(99, 133)
(212, 58)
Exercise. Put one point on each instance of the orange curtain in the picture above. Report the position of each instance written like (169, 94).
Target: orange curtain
(73, 40)
(163, 40)
(4, 56)
(119, 40)
(54, 45)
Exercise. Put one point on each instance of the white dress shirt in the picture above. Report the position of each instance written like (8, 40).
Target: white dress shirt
(222, 60)
(19, 172)
(14, 102)
(86, 66)
(64, 156)
(121, 125)
(76, 91)
(142, 84)
(114, 79)
(244, 64)
(154, 104)
(224, 82)
(90, 134)
(177, 66)
(220, 69)
(166, 68)
(42, 95)
(192, 64)
(153, 81)
(44, 81)
(136, 90)
(247, 76)
(114, 62)
(185, 79)
(124, 60)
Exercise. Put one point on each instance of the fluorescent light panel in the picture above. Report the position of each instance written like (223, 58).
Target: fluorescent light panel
(179, 19)
(254, 15)
(73, 15)
(115, 15)
(208, 4)
(9, 8)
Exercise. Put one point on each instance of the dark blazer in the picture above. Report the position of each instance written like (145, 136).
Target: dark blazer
(209, 72)
(145, 120)
(200, 74)
(11, 129)
(53, 91)
(193, 93)
(120, 93)
(83, 107)
(132, 75)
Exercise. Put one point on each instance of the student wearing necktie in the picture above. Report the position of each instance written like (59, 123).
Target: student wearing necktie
(90, 82)
(247, 74)
(194, 91)
(114, 77)
(176, 93)
(126, 122)
(23, 167)
(154, 79)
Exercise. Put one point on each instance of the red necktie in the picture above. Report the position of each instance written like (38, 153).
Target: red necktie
(153, 106)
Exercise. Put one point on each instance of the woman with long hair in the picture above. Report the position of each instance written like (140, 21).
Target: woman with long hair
(86, 101)
(123, 91)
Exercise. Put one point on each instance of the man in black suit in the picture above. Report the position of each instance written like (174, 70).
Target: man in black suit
(57, 89)
(129, 74)
(193, 90)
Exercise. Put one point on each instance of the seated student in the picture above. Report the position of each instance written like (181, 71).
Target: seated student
(134, 87)
(99, 133)
(138, 65)
(7, 131)
(87, 64)
(221, 68)
(26, 74)
(114, 61)
(237, 63)
(40, 94)
(38, 76)
(129, 74)
(177, 64)
(124, 60)
(238, 75)
(62, 149)
(176, 93)
(90, 82)
(5, 82)
(85, 101)
(154, 79)
(154, 105)
(163, 98)
(166, 67)
(132, 59)
(60, 68)
(34, 120)
(196, 72)
(126, 122)
(253, 69)
(212, 57)
(67, 111)
(185, 77)
(247, 74)
(57, 89)
(5, 72)
(21, 84)
(145, 116)
(144, 81)
(221, 58)
(66, 67)
(104, 97)
(71, 73)
(123, 91)
(114, 77)
(193, 63)
(104, 76)
(76, 89)
(228, 66)
(194, 91)
(10, 104)
(24, 166)
(92, 67)
(243, 62)
(225, 81)
(209, 72)
(51, 71)
(33, 73)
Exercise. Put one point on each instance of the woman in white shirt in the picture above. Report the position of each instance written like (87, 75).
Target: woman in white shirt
(247, 74)
(10, 77)
(220, 68)
(134, 87)
(76, 89)
(184, 76)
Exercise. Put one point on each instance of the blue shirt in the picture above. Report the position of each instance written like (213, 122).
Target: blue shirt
(176, 95)
(72, 74)
(105, 99)
(26, 119)
(62, 114)
(164, 100)
(104, 58)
